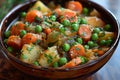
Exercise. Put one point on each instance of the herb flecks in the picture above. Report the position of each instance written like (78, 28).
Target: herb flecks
(30, 48)
(77, 48)
(49, 58)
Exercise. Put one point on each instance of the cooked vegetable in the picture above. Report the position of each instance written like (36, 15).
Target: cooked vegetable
(75, 6)
(32, 14)
(106, 35)
(103, 42)
(47, 31)
(85, 11)
(107, 27)
(41, 7)
(94, 36)
(30, 53)
(96, 30)
(77, 50)
(17, 27)
(30, 38)
(95, 21)
(91, 43)
(66, 47)
(23, 14)
(86, 47)
(75, 27)
(83, 21)
(68, 14)
(14, 41)
(38, 29)
(85, 32)
(53, 18)
(58, 36)
(62, 61)
(94, 12)
(22, 33)
(7, 34)
(74, 62)
(79, 40)
(49, 57)
(66, 22)
(55, 64)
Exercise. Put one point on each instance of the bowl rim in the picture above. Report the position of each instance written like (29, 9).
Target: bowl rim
(8, 54)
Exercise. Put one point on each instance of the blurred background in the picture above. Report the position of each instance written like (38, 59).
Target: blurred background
(6, 5)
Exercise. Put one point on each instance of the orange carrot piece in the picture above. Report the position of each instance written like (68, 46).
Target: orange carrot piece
(29, 38)
(100, 52)
(77, 50)
(85, 32)
(75, 6)
(15, 30)
(74, 62)
(14, 41)
(32, 14)
(70, 15)
(47, 30)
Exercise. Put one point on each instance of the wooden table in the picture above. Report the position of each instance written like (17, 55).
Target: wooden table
(109, 72)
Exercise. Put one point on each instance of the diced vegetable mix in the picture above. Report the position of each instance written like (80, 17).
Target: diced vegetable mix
(62, 37)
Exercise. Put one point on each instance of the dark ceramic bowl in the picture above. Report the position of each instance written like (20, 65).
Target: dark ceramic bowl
(81, 71)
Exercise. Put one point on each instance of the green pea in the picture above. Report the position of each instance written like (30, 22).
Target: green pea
(66, 47)
(62, 29)
(85, 11)
(53, 18)
(79, 40)
(36, 63)
(63, 61)
(55, 64)
(83, 59)
(66, 22)
(7, 33)
(90, 43)
(23, 14)
(94, 36)
(22, 33)
(107, 27)
(75, 27)
(108, 42)
(10, 49)
(103, 42)
(96, 30)
(86, 47)
(38, 29)
(83, 21)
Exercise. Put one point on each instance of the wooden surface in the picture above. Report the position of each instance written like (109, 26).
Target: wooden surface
(111, 71)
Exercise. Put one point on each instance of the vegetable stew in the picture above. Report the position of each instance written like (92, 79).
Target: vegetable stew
(59, 36)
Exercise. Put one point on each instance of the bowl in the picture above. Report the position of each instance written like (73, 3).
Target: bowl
(78, 72)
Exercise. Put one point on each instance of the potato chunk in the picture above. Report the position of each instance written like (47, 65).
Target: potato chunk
(30, 53)
(95, 13)
(40, 6)
(49, 57)
(106, 36)
(95, 21)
